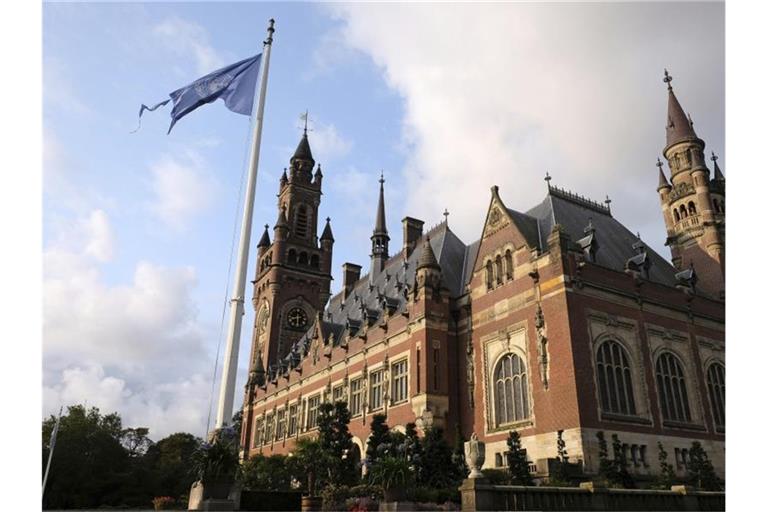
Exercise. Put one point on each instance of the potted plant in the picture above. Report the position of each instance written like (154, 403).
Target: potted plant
(163, 503)
(310, 457)
(393, 474)
(216, 465)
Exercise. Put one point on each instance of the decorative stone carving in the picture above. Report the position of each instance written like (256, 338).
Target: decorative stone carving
(474, 453)
(542, 342)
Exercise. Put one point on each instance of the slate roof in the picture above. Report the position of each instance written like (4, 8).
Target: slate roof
(614, 238)
(386, 289)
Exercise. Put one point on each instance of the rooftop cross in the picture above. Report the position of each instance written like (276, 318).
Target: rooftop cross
(667, 79)
(714, 157)
(547, 178)
(446, 214)
(658, 164)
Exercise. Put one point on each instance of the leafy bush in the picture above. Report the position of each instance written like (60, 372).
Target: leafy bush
(273, 473)
(391, 473)
(217, 462)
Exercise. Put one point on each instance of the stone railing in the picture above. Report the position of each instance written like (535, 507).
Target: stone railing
(477, 495)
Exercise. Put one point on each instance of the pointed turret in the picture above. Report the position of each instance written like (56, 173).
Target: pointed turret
(427, 258)
(327, 233)
(380, 237)
(663, 183)
(303, 151)
(679, 126)
(718, 173)
(380, 228)
(264, 242)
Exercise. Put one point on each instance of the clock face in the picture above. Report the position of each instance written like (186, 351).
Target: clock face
(297, 318)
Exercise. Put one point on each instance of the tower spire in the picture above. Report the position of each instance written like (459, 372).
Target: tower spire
(380, 237)
(679, 126)
(718, 173)
(663, 183)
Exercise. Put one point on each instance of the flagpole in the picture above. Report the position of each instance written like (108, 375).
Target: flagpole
(229, 370)
(53, 444)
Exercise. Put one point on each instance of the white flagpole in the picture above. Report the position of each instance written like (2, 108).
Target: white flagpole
(229, 371)
(53, 444)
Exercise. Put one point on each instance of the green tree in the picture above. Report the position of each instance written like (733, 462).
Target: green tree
(136, 441)
(700, 469)
(517, 461)
(666, 477)
(273, 473)
(437, 468)
(237, 423)
(169, 461)
(413, 448)
(310, 459)
(459, 463)
(380, 435)
(561, 476)
(334, 437)
(89, 464)
(621, 465)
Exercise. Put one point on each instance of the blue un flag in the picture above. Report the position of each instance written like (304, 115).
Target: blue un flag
(235, 84)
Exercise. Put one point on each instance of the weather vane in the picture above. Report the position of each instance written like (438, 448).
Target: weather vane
(667, 79)
(304, 116)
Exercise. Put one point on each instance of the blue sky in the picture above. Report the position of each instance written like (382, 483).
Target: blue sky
(448, 100)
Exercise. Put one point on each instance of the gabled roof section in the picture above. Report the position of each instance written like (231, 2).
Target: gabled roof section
(574, 213)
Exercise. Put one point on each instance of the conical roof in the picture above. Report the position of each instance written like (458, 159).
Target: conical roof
(679, 127)
(327, 233)
(380, 228)
(265, 242)
(718, 173)
(663, 183)
(303, 152)
(427, 259)
(282, 222)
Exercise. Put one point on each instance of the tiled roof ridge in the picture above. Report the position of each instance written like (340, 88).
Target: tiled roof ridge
(580, 200)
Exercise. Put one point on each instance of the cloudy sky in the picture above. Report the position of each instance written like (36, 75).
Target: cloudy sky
(447, 99)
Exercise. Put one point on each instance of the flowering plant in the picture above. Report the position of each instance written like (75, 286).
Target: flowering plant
(163, 502)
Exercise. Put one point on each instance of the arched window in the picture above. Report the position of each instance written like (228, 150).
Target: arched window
(508, 263)
(303, 258)
(677, 215)
(291, 256)
(683, 212)
(614, 379)
(314, 261)
(489, 275)
(302, 221)
(673, 395)
(691, 208)
(510, 390)
(716, 385)
(499, 270)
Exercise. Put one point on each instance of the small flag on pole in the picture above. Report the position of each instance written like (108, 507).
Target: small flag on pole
(235, 84)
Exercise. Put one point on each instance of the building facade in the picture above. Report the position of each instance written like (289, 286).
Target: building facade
(555, 319)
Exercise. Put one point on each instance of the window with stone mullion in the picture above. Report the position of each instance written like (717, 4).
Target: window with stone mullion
(614, 379)
(716, 386)
(511, 390)
(673, 393)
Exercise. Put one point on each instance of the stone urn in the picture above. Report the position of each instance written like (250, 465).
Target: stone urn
(474, 454)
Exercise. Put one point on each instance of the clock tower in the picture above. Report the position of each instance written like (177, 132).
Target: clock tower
(293, 271)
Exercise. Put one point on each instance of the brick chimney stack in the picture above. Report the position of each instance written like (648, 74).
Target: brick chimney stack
(412, 231)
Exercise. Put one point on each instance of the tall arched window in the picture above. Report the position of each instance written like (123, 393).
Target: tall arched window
(677, 215)
(691, 208)
(508, 263)
(499, 270)
(683, 212)
(716, 385)
(673, 394)
(510, 390)
(614, 379)
(489, 275)
(302, 221)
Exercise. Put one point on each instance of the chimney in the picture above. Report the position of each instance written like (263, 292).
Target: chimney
(412, 231)
(350, 275)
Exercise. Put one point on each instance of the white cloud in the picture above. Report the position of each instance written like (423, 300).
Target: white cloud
(182, 188)
(100, 239)
(136, 348)
(502, 93)
(327, 143)
(187, 38)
